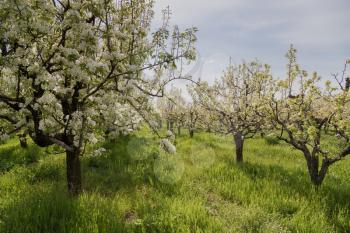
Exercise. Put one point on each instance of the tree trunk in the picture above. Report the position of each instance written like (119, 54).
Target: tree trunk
(171, 126)
(316, 173)
(73, 173)
(239, 141)
(191, 133)
(179, 130)
(347, 84)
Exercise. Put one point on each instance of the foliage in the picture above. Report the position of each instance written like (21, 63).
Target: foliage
(172, 108)
(302, 110)
(74, 70)
(236, 97)
(271, 139)
(236, 100)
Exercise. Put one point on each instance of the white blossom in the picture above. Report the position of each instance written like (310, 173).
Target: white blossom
(167, 146)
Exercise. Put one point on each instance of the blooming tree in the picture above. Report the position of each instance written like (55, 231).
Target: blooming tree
(193, 114)
(236, 100)
(172, 108)
(301, 109)
(69, 69)
(208, 121)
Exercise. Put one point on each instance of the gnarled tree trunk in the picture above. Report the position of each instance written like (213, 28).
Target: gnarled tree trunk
(317, 173)
(73, 172)
(239, 141)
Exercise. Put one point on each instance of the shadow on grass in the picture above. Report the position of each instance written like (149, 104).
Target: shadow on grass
(6, 160)
(121, 170)
(15, 155)
(334, 198)
(295, 180)
(41, 202)
(40, 211)
(50, 209)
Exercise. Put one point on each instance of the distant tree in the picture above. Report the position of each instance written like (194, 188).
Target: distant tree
(236, 100)
(194, 113)
(192, 117)
(208, 121)
(172, 108)
(188, 118)
(301, 109)
(69, 69)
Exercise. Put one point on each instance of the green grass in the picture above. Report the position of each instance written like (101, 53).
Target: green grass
(200, 189)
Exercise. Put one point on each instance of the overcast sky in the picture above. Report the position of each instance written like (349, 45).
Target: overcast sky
(264, 29)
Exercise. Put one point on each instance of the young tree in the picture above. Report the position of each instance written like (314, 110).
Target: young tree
(301, 110)
(236, 100)
(65, 63)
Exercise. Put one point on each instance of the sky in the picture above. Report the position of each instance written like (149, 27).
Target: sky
(264, 29)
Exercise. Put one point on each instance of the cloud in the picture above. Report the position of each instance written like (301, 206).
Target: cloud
(246, 29)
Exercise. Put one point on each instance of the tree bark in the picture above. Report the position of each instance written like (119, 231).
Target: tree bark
(239, 141)
(347, 84)
(73, 173)
(316, 173)
(171, 126)
(191, 133)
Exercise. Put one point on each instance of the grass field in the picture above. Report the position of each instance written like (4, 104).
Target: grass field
(134, 188)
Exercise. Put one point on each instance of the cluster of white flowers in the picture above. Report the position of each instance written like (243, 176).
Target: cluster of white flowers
(77, 78)
(99, 152)
(91, 138)
(49, 125)
(169, 134)
(154, 124)
(167, 146)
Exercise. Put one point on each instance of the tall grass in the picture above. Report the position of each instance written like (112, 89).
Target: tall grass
(199, 189)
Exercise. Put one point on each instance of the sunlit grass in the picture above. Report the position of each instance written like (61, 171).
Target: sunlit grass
(199, 189)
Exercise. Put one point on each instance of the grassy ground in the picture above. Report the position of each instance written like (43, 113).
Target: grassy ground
(133, 188)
